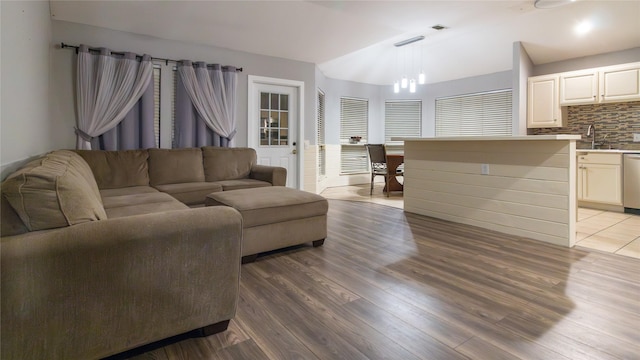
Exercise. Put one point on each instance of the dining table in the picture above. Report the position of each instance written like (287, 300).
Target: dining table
(393, 161)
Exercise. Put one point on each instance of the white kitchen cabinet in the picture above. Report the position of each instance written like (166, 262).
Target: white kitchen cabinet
(579, 87)
(620, 83)
(600, 178)
(543, 107)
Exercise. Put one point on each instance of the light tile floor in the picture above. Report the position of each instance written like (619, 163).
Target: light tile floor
(600, 230)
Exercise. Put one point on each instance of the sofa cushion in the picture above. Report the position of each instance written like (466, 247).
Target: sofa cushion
(190, 193)
(132, 190)
(272, 205)
(142, 203)
(10, 223)
(117, 169)
(242, 184)
(136, 199)
(53, 191)
(227, 163)
(175, 166)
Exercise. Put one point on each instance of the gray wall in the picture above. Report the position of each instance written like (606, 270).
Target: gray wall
(587, 62)
(252, 64)
(25, 124)
(523, 68)
(336, 89)
(428, 93)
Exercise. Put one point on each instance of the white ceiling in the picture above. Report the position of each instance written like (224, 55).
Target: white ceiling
(353, 40)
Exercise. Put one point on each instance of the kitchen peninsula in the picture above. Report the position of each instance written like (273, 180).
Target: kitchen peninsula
(518, 185)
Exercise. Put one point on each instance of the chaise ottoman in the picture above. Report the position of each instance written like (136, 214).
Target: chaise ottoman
(275, 217)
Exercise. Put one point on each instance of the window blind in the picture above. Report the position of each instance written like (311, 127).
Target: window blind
(353, 159)
(174, 75)
(354, 116)
(322, 154)
(354, 119)
(481, 114)
(402, 119)
(156, 103)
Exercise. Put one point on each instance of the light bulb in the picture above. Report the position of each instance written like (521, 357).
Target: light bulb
(412, 86)
(421, 78)
(396, 87)
(403, 82)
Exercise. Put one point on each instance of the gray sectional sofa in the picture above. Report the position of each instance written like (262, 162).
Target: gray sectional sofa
(102, 252)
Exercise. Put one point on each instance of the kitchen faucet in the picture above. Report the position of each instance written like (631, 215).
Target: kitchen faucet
(590, 129)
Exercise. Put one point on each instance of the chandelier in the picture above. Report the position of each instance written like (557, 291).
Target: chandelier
(404, 81)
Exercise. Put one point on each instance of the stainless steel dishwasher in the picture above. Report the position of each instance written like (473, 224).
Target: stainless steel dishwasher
(631, 194)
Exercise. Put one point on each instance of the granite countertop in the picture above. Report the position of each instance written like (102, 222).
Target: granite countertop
(492, 138)
(612, 151)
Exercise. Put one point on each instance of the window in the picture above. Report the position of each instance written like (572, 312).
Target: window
(164, 116)
(156, 103)
(402, 119)
(354, 119)
(322, 153)
(274, 119)
(481, 114)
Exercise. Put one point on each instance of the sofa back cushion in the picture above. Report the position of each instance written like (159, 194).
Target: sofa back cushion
(175, 166)
(227, 163)
(54, 191)
(118, 169)
(10, 222)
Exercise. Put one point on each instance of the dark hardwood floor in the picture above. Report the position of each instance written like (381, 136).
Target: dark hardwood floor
(390, 285)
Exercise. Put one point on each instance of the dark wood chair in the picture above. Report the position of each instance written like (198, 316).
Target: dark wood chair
(378, 158)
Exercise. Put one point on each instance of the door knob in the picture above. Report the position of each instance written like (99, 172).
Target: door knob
(294, 151)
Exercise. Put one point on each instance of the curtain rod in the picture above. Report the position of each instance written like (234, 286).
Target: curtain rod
(166, 61)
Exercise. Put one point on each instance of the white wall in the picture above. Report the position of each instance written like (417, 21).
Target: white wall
(252, 64)
(26, 126)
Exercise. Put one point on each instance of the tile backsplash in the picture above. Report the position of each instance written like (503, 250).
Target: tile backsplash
(615, 124)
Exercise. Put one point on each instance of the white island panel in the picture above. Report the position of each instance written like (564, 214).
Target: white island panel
(508, 184)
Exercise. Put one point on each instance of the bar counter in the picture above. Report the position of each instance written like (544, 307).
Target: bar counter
(518, 185)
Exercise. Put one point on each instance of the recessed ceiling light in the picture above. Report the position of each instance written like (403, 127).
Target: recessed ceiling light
(583, 27)
(548, 4)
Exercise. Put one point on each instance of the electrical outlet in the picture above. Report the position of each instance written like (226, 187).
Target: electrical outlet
(484, 169)
(636, 137)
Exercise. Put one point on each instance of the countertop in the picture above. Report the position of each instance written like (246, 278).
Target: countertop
(492, 138)
(608, 151)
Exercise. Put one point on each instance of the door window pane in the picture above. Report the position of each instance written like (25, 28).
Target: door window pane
(274, 119)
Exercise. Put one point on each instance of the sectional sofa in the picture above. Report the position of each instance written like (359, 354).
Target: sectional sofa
(102, 252)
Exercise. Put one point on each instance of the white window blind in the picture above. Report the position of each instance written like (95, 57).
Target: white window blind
(156, 103)
(354, 119)
(481, 114)
(322, 154)
(174, 75)
(402, 119)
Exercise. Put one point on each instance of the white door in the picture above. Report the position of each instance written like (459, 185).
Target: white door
(273, 127)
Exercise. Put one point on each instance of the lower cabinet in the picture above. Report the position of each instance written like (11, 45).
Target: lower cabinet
(600, 178)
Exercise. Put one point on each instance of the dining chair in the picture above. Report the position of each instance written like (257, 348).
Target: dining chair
(378, 158)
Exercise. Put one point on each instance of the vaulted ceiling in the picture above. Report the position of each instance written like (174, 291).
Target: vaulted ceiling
(353, 40)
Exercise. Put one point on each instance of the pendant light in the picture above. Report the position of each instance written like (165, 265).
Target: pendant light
(404, 82)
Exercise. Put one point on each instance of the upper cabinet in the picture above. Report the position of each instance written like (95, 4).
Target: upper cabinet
(620, 83)
(548, 94)
(607, 84)
(543, 108)
(579, 87)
